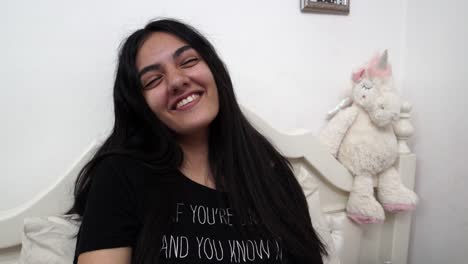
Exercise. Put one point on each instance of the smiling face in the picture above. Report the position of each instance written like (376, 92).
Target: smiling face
(177, 84)
(365, 92)
(378, 100)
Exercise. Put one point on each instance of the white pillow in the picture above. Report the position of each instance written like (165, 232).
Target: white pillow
(319, 222)
(337, 223)
(49, 240)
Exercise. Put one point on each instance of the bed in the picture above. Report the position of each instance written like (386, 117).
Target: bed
(325, 182)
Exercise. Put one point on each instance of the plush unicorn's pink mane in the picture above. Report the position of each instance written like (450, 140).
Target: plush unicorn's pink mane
(372, 69)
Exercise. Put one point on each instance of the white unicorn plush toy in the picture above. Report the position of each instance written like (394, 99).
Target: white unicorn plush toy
(360, 135)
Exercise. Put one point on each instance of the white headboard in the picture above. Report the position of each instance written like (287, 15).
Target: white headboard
(381, 243)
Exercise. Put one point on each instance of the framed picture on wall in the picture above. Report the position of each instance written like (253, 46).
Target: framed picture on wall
(326, 6)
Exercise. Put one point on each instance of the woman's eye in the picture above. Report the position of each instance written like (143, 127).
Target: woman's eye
(151, 83)
(190, 62)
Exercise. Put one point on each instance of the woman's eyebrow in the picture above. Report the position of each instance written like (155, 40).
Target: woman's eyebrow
(156, 66)
(152, 67)
(181, 50)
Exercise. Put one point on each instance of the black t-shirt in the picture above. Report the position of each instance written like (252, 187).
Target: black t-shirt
(203, 227)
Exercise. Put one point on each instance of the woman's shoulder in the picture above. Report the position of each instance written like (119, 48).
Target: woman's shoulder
(122, 177)
(118, 161)
(132, 172)
(123, 165)
(119, 171)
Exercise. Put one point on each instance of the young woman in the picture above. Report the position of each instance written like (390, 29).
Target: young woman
(184, 177)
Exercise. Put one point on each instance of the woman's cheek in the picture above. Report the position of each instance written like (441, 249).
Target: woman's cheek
(153, 100)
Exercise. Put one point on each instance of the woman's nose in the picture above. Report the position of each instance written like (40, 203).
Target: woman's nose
(177, 81)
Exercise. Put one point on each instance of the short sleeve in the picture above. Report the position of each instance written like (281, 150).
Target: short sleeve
(109, 219)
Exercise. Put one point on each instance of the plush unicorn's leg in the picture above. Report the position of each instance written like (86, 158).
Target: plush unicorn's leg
(392, 194)
(362, 206)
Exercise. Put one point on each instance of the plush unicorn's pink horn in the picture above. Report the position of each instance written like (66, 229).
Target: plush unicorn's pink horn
(383, 62)
(379, 67)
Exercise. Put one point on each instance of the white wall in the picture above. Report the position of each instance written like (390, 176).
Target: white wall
(435, 82)
(58, 59)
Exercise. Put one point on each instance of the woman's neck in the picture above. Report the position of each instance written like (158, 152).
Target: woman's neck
(196, 163)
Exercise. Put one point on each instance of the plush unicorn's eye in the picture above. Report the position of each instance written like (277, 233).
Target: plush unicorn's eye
(367, 85)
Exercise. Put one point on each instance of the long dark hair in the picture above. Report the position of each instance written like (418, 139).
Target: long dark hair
(244, 163)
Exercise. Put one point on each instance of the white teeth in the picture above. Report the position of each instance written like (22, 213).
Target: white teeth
(187, 100)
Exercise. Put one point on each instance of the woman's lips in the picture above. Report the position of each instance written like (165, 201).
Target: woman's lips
(190, 105)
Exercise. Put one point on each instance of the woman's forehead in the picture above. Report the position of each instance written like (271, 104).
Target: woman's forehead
(158, 46)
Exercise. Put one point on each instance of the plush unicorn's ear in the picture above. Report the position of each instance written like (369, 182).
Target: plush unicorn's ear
(383, 62)
(357, 75)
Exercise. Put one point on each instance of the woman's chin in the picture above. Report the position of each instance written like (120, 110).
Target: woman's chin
(194, 122)
(194, 129)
